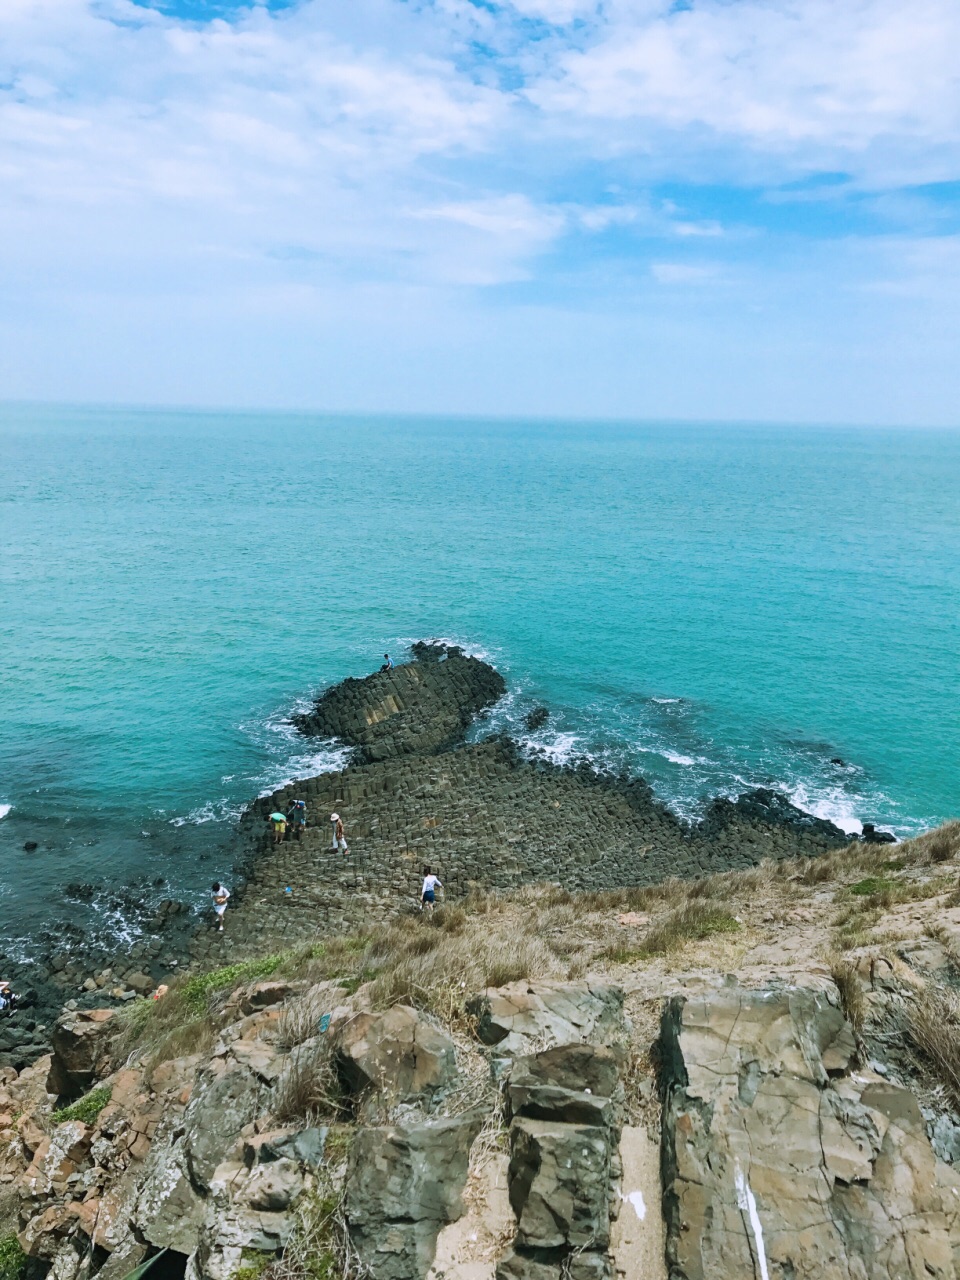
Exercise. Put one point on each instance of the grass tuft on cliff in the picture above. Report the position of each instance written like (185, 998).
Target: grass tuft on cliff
(12, 1258)
(86, 1108)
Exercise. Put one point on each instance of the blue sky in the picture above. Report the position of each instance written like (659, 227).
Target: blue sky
(708, 209)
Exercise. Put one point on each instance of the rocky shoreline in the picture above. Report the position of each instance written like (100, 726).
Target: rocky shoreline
(483, 814)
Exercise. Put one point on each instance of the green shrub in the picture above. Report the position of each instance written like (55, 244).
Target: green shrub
(871, 885)
(12, 1257)
(253, 1264)
(86, 1108)
(196, 991)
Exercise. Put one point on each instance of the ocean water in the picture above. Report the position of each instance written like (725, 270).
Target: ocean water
(715, 607)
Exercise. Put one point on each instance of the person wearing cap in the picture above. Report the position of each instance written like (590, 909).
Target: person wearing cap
(339, 839)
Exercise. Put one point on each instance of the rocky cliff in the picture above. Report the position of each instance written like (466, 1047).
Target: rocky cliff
(750, 1074)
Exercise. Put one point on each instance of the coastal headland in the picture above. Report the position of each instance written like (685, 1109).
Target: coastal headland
(482, 814)
(426, 786)
(621, 1047)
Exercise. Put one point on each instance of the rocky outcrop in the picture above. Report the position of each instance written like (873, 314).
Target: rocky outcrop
(414, 709)
(781, 1161)
(770, 809)
(516, 1016)
(563, 1175)
(397, 1053)
(81, 1040)
(404, 1183)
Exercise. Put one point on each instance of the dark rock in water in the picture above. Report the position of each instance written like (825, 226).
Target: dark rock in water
(81, 892)
(537, 719)
(417, 708)
(30, 845)
(773, 810)
(870, 835)
(838, 761)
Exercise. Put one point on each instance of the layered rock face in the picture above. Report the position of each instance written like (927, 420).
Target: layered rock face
(781, 1157)
(414, 709)
(783, 1161)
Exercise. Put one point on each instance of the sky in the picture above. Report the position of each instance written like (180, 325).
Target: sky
(707, 209)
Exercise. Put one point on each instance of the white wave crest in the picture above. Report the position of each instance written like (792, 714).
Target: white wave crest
(833, 804)
(222, 810)
(5, 809)
(331, 757)
(559, 748)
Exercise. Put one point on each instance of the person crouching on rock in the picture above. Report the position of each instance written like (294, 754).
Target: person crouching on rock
(428, 894)
(388, 663)
(8, 999)
(220, 896)
(297, 817)
(339, 839)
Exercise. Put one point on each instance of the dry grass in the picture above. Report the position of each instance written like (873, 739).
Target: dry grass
(939, 845)
(850, 988)
(692, 922)
(309, 1088)
(299, 1018)
(320, 1247)
(932, 1021)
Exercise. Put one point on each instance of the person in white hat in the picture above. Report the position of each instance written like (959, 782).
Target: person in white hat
(339, 839)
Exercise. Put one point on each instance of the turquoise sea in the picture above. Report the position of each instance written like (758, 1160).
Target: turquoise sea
(715, 607)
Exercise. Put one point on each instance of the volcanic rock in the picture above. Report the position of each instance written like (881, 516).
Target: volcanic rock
(416, 708)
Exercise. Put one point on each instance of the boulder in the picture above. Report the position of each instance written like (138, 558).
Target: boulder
(262, 995)
(404, 1182)
(213, 1120)
(80, 1040)
(559, 1180)
(141, 983)
(515, 1016)
(273, 1187)
(517, 1265)
(571, 1084)
(779, 1162)
(398, 1053)
(414, 709)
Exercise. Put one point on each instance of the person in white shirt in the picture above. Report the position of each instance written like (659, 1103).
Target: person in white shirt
(221, 895)
(428, 894)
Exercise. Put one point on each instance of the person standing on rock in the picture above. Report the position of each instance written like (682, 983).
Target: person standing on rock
(339, 838)
(221, 895)
(428, 894)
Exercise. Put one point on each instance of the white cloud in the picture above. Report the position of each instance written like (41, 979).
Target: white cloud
(808, 77)
(351, 162)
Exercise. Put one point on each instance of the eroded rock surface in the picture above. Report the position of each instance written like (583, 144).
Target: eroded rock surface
(516, 1016)
(80, 1043)
(781, 1161)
